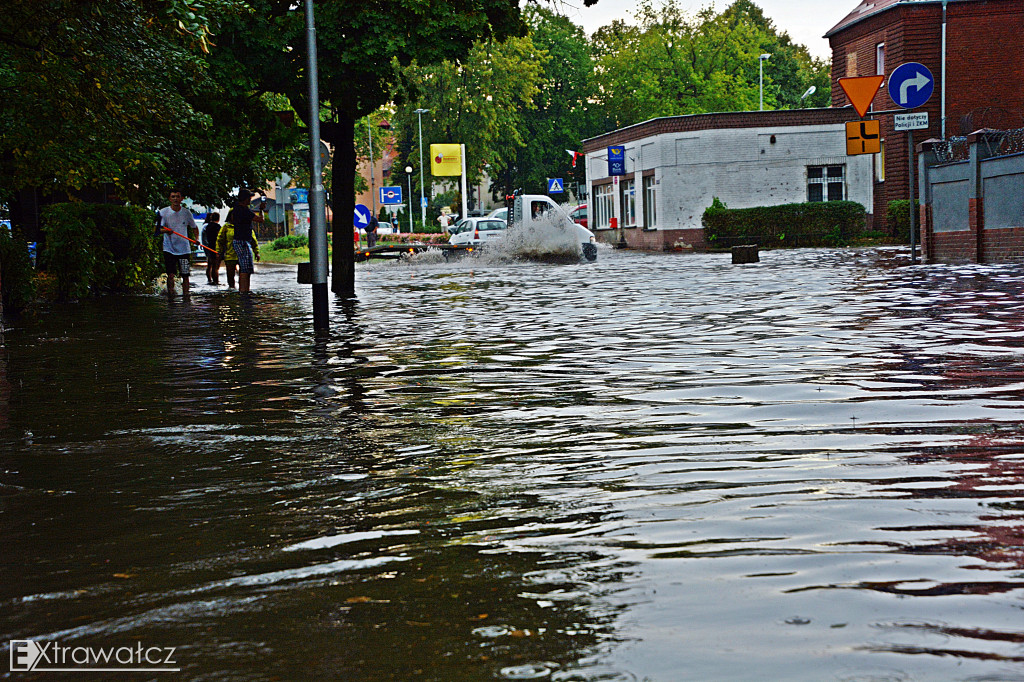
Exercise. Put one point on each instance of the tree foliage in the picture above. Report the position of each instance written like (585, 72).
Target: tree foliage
(126, 92)
(674, 63)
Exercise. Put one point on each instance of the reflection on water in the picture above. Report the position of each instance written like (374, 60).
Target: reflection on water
(652, 467)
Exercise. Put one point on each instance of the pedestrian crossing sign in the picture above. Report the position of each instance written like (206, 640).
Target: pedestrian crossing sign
(555, 186)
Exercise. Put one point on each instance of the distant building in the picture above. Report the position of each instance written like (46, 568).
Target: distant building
(676, 166)
(973, 49)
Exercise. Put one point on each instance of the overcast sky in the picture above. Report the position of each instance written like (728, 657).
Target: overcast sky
(806, 21)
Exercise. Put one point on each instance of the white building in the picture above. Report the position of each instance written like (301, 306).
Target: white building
(676, 166)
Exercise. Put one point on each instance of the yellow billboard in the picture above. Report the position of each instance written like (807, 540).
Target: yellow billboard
(446, 159)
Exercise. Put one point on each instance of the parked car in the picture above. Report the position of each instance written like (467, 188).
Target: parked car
(579, 215)
(499, 213)
(476, 231)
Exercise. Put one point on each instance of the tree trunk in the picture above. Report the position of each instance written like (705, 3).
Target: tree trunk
(341, 136)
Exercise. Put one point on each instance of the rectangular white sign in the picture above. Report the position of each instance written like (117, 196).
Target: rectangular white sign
(915, 121)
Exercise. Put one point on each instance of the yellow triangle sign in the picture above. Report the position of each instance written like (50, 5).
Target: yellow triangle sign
(861, 91)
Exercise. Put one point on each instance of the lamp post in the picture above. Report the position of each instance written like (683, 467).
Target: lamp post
(810, 91)
(760, 65)
(317, 214)
(423, 208)
(408, 172)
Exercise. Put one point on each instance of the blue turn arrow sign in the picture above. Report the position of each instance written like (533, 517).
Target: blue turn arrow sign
(911, 85)
(362, 217)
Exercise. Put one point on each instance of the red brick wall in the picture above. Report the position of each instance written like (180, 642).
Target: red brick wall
(1006, 245)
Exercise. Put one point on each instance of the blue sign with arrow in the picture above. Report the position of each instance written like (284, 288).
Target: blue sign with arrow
(911, 85)
(555, 186)
(390, 196)
(362, 217)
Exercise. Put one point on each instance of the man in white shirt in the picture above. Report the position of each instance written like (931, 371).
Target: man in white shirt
(176, 223)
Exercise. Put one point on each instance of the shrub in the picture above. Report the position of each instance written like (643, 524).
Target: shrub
(98, 248)
(17, 279)
(897, 219)
(291, 241)
(831, 223)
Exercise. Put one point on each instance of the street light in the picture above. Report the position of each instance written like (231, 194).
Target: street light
(423, 207)
(760, 65)
(408, 172)
(810, 91)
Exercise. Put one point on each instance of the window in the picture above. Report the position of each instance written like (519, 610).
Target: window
(880, 59)
(603, 206)
(650, 202)
(826, 183)
(629, 203)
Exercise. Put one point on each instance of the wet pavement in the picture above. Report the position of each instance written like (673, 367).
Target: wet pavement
(652, 467)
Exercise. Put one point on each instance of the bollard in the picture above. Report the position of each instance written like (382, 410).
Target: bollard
(305, 273)
(745, 254)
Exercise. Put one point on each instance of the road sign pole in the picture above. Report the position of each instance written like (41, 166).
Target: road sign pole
(913, 212)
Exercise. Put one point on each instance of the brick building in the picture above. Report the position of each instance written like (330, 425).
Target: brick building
(972, 47)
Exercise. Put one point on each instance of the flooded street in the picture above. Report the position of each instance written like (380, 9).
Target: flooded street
(652, 467)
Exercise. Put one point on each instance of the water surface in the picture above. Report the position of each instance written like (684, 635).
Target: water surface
(652, 467)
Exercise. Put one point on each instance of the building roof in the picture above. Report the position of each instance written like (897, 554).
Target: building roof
(870, 8)
(733, 119)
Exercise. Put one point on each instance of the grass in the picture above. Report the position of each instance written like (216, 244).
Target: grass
(301, 254)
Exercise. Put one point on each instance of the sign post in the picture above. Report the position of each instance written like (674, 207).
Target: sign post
(911, 86)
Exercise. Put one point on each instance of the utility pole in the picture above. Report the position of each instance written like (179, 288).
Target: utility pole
(423, 204)
(317, 214)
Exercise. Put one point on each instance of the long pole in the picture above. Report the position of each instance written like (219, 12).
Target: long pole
(409, 175)
(913, 213)
(373, 193)
(423, 206)
(760, 69)
(317, 215)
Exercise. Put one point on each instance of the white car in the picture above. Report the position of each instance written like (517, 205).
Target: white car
(477, 231)
(499, 213)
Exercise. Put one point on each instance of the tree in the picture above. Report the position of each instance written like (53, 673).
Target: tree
(125, 92)
(357, 45)
(674, 64)
(564, 114)
(479, 102)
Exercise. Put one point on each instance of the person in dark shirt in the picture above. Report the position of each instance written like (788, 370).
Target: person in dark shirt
(210, 231)
(371, 232)
(242, 217)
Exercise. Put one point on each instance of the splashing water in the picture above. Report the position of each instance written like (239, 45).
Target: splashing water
(550, 237)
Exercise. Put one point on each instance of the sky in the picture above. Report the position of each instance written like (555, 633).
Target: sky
(806, 21)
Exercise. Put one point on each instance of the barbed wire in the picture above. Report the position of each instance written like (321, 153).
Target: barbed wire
(953, 149)
(997, 143)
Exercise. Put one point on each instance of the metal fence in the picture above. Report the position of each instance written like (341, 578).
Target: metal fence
(998, 143)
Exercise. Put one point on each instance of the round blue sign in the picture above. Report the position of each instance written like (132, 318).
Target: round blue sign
(911, 85)
(362, 216)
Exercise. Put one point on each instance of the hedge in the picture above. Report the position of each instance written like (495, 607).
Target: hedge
(17, 278)
(98, 248)
(827, 223)
(897, 219)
